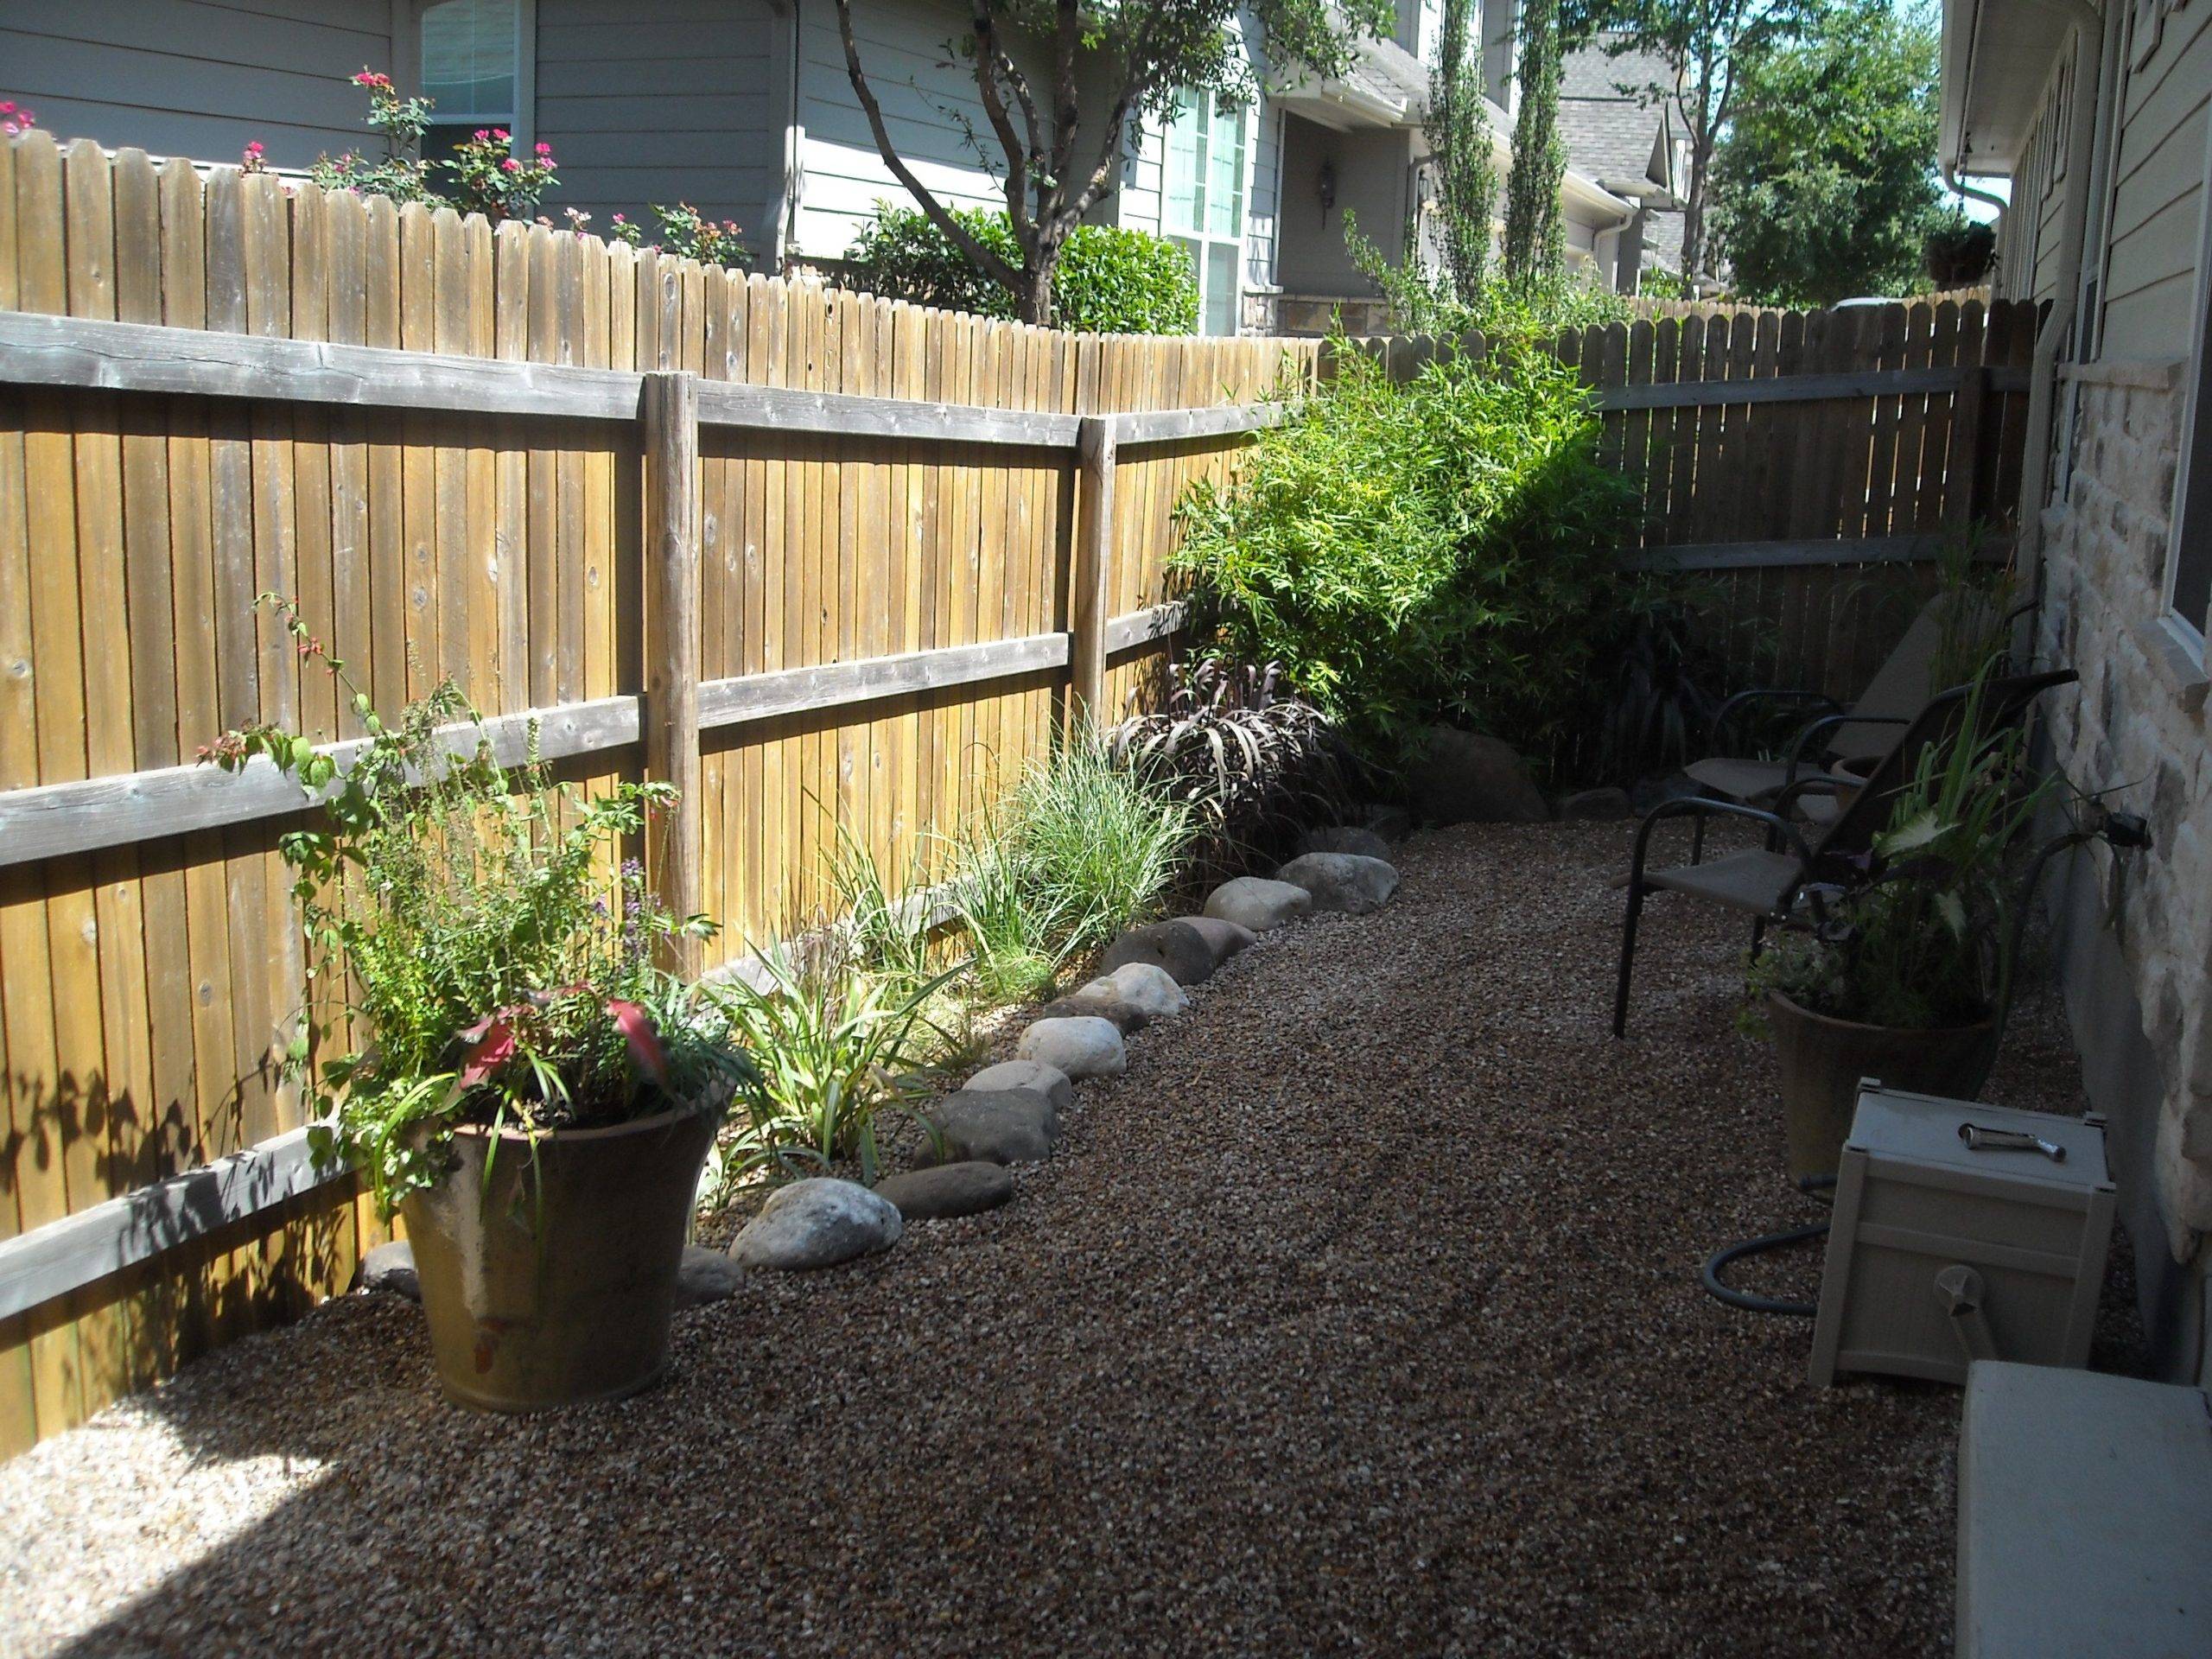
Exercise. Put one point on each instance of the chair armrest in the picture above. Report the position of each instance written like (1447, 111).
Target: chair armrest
(1813, 729)
(1761, 693)
(1777, 827)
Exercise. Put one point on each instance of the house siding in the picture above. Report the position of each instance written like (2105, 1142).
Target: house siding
(2157, 205)
(663, 100)
(2136, 944)
(196, 78)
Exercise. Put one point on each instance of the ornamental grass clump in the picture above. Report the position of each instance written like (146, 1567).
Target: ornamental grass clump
(1442, 549)
(839, 1049)
(1252, 762)
(1080, 848)
(475, 929)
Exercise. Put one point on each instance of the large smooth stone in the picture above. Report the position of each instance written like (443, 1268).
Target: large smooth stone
(1596, 805)
(1224, 939)
(1140, 985)
(1343, 881)
(964, 1189)
(1046, 1080)
(1089, 1004)
(1007, 1126)
(1176, 948)
(1079, 1046)
(1254, 902)
(817, 1223)
(390, 1267)
(1345, 838)
(706, 1276)
(1467, 778)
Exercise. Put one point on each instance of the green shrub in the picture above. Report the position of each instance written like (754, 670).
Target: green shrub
(1440, 549)
(1108, 281)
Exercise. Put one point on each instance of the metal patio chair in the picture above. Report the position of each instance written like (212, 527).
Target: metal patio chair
(1764, 882)
(1836, 737)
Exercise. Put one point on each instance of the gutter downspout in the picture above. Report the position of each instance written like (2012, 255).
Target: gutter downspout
(1951, 183)
(2082, 135)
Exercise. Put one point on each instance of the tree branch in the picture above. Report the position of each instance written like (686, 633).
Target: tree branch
(989, 263)
(991, 62)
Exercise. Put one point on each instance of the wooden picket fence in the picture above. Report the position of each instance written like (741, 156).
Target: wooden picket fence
(831, 565)
(908, 540)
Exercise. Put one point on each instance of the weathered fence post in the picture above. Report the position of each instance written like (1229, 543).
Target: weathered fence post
(668, 407)
(1093, 561)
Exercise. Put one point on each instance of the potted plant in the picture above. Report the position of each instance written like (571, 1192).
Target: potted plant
(522, 1080)
(1903, 973)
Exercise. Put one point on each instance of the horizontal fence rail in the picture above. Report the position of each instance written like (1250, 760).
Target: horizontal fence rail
(86, 355)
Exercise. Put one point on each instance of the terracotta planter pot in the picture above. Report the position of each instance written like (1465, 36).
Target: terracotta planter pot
(1822, 1061)
(554, 1285)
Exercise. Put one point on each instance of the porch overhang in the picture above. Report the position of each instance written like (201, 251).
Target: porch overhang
(1997, 59)
(1385, 86)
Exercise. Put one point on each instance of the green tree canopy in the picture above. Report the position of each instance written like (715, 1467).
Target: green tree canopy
(1825, 184)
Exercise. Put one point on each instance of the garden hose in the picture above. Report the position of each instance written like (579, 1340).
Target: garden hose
(1715, 1285)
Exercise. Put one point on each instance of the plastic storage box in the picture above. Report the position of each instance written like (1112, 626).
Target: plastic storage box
(1941, 1254)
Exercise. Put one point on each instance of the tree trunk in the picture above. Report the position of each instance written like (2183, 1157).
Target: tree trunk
(1694, 218)
(1032, 301)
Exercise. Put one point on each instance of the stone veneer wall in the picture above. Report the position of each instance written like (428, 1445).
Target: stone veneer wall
(2135, 721)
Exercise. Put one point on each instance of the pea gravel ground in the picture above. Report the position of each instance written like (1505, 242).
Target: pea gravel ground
(1360, 1317)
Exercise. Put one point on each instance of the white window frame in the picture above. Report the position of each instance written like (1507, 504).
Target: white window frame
(407, 63)
(1201, 242)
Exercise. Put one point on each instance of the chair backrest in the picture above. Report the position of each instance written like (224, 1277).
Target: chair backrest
(1902, 684)
(2004, 702)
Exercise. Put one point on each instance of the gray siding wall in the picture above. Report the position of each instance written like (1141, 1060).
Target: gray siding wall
(1371, 183)
(194, 77)
(2157, 205)
(660, 101)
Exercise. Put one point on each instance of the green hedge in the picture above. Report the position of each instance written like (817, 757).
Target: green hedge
(1110, 281)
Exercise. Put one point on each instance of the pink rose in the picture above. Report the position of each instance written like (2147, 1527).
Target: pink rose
(482, 136)
(8, 107)
(501, 134)
(545, 149)
(511, 165)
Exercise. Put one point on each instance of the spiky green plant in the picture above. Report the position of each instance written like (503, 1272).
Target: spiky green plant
(834, 1047)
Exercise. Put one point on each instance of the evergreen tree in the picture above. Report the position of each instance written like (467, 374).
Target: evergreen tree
(1458, 129)
(1534, 253)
